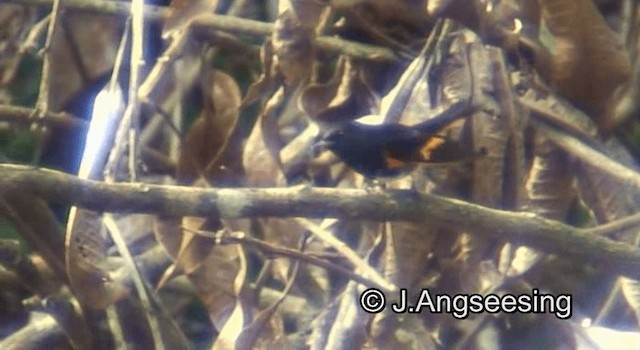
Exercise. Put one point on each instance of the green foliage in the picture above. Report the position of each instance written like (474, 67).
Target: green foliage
(24, 88)
(18, 146)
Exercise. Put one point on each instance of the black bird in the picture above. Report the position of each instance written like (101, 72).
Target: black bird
(390, 150)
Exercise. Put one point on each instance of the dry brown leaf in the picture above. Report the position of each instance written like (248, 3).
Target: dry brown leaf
(550, 182)
(167, 233)
(345, 97)
(208, 136)
(270, 78)
(588, 62)
(316, 97)
(265, 329)
(488, 131)
(194, 249)
(549, 192)
(201, 158)
(262, 170)
(512, 25)
(469, 73)
(391, 23)
(181, 12)
(266, 136)
(16, 21)
(95, 38)
(607, 197)
(403, 11)
(609, 200)
(448, 84)
(214, 281)
(412, 334)
(321, 325)
(188, 250)
(556, 111)
(515, 119)
(211, 268)
(231, 326)
(90, 270)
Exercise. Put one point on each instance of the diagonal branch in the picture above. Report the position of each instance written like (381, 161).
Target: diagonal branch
(520, 228)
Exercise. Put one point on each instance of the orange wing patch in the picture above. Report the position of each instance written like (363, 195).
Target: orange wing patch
(393, 163)
(430, 146)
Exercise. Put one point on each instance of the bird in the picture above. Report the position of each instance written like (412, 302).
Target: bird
(391, 150)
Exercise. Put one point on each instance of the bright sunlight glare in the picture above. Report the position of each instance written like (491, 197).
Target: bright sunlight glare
(107, 110)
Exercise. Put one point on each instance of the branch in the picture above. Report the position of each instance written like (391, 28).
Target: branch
(519, 228)
(598, 160)
(24, 116)
(43, 91)
(229, 24)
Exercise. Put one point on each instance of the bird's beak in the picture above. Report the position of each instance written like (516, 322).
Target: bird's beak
(319, 147)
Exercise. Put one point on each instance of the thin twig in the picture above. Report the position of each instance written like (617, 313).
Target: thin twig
(43, 92)
(137, 62)
(31, 42)
(226, 237)
(574, 133)
(138, 281)
(616, 226)
(588, 155)
(42, 104)
(342, 248)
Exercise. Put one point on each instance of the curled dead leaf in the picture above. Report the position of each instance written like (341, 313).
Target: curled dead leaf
(91, 272)
(268, 80)
(344, 97)
(208, 136)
